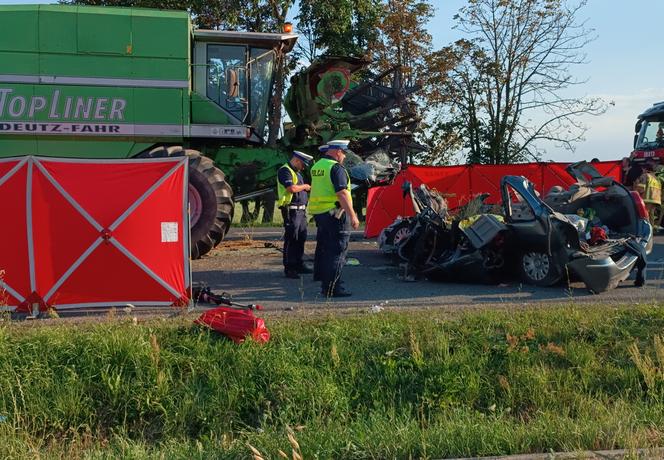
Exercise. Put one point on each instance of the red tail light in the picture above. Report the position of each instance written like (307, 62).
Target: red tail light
(640, 205)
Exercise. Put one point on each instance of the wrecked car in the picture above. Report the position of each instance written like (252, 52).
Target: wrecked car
(430, 211)
(596, 231)
(376, 170)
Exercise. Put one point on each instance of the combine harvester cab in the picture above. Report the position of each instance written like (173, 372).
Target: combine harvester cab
(100, 82)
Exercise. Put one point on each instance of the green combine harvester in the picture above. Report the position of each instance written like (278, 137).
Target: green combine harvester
(101, 82)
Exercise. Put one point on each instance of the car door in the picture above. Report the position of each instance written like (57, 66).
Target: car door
(525, 213)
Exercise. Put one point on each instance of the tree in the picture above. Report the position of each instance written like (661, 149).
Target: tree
(337, 27)
(442, 139)
(507, 84)
(258, 16)
(216, 14)
(406, 43)
(405, 40)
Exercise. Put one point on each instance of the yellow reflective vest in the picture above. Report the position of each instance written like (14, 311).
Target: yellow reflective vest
(284, 197)
(650, 188)
(323, 197)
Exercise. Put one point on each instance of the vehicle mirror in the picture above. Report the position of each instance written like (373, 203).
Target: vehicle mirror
(636, 137)
(233, 84)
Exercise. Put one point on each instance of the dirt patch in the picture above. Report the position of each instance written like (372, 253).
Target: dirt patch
(238, 245)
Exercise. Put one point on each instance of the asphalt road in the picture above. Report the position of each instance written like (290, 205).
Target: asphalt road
(248, 265)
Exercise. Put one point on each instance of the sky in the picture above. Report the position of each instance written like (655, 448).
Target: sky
(625, 67)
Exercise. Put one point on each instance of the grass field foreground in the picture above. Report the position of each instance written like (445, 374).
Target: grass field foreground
(390, 385)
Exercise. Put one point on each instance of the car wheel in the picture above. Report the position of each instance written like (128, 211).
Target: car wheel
(400, 233)
(210, 198)
(393, 236)
(540, 268)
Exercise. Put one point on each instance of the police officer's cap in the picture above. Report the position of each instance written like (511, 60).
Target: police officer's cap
(340, 144)
(306, 159)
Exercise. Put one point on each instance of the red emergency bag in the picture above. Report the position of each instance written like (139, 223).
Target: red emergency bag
(235, 324)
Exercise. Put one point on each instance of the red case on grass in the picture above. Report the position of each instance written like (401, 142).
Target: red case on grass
(235, 324)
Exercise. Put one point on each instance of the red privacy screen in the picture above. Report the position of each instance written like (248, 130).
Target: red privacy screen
(93, 233)
(463, 182)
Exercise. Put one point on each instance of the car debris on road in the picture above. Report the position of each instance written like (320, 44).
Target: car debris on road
(596, 231)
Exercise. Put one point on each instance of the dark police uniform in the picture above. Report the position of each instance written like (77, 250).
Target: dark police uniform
(333, 234)
(293, 210)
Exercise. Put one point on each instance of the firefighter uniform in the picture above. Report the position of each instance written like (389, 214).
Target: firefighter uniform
(333, 225)
(650, 188)
(293, 210)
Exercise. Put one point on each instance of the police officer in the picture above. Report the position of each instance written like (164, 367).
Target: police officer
(292, 200)
(332, 206)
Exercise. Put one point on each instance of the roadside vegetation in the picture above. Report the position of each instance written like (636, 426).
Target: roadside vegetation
(424, 384)
(277, 220)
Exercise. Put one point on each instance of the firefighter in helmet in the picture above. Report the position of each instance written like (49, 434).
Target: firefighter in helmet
(650, 188)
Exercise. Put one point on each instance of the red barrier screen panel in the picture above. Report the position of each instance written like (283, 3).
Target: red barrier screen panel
(14, 264)
(460, 183)
(94, 233)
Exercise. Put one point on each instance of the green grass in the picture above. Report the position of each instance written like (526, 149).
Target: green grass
(391, 385)
(277, 221)
(237, 215)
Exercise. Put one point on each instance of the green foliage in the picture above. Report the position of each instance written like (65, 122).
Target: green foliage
(652, 371)
(223, 14)
(382, 386)
(338, 27)
(443, 139)
(259, 16)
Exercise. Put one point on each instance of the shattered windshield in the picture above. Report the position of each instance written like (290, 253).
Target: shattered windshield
(651, 135)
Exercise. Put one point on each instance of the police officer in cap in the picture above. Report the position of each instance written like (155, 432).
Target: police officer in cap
(332, 206)
(292, 200)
